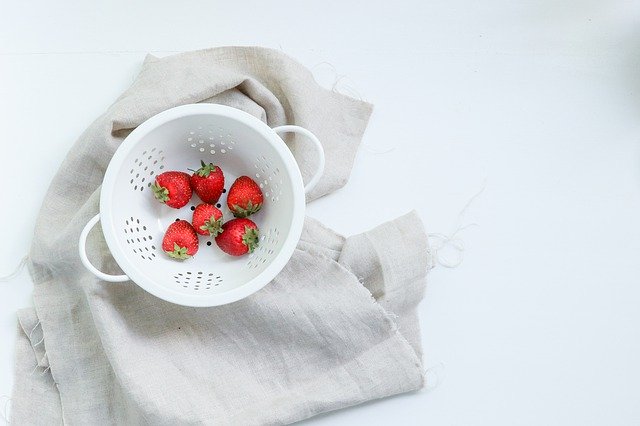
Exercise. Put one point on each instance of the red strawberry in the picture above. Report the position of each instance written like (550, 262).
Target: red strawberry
(180, 241)
(208, 182)
(207, 220)
(239, 236)
(172, 188)
(245, 197)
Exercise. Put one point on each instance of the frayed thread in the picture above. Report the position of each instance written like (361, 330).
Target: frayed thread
(443, 242)
(63, 422)
(34, 329)
(379, 152)
(452, 241)
(434, 376)
(39, 341)
(5, 410)
(338, 79)
(16, 271)
(38, 364)
(348, 89)
(43, 358)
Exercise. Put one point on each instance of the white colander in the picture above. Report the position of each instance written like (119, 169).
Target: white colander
(133, 221)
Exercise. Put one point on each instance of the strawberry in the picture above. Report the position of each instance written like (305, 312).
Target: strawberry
(180, 241)
(207, 220)
(245, 197)
(208, 182)
(172, 188)
(239, 236)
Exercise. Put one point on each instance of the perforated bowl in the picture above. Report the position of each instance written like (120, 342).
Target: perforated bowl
(133, 221)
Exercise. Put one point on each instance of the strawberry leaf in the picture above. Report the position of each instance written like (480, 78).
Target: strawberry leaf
(213, 226)
(178, 252)
(206, 169)
(160, 192)
(247, 211)
(250, 238)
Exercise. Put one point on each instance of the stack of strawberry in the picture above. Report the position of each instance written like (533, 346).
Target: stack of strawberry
(235, 237)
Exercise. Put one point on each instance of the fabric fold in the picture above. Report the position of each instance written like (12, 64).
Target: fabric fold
(36, 400)
(390, 261)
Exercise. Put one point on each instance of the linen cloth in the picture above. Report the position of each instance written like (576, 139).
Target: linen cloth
(335, 328)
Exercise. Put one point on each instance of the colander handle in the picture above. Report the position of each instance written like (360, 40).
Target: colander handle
(316, 142)
(82, 248)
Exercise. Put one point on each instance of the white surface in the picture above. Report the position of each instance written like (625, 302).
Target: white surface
(540, 325)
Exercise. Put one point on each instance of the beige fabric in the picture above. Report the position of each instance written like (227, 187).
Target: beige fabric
(36, 400)
(311, 341)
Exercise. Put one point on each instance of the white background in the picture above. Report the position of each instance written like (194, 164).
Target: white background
(540, 324)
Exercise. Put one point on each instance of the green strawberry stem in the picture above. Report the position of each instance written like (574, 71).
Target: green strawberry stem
(178, 252)
(206, 169)
(160, 192)
(250, 238)
(213, 225)
(247, 211)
